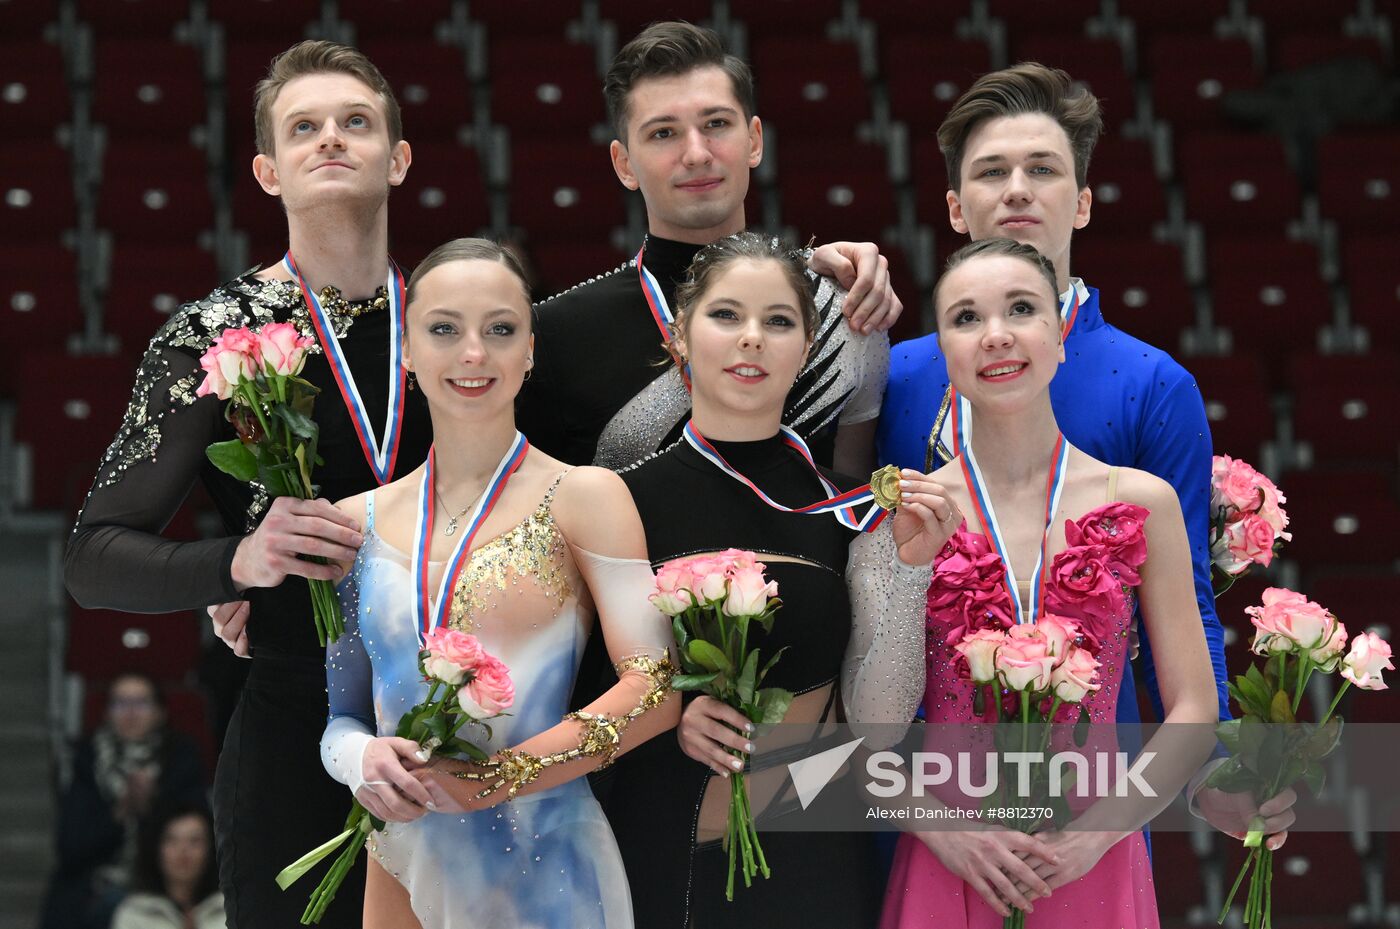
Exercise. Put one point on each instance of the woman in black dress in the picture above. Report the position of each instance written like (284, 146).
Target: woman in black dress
(853, 607)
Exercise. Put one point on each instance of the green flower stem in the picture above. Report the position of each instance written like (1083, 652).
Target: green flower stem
(1304, 672)
(1335, 700)
(1234, 888)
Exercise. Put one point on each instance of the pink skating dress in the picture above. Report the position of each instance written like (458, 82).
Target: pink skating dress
(1090, 582)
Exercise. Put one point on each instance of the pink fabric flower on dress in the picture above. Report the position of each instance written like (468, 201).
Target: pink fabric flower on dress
(1120, 528)
(1081, 584)
(968, 588)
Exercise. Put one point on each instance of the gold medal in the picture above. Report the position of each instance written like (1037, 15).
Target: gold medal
(884, 484)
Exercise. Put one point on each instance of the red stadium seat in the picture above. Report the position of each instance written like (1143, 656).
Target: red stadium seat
(1230, 606)
(1176, 873)
(1302, 49)
(1343, 518)
(771, 18)
(928, 170)
(69, 421)
(1270, 311)
(1313, 860)
(442, 198)
(154, 19)
(843, 194)
(1373, 284)
(245, 63)
(1359, 180)
(1300, 14)
(914, 17)
(147, 283)
(1126, 199)
(570, 187)
(1096, 63)
(1237, 182)
(1360, 600)
(1142, 287)
(36, 194)
(1238, 404)
(1191, 75)
(104, 643)
(34, 97)
(546, 17)
(25, 21)
(399, 18)
(1344, 406)
(1024, 17)
(808, 87)
(545, 87)
(274, 21)
(148, 89)
(1261, 252)
(1151, 17)
(430, 83)
(925, 75)
(154, 200)
(38, 304)
(631, 16)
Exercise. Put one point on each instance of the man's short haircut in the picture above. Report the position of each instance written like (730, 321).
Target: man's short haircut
(665, 50)
(315, 56)
(1028, 87)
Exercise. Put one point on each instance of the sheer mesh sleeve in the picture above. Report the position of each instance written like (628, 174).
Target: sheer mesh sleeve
(116, 558)
(882, 680)
(349, 690)
(639, 706)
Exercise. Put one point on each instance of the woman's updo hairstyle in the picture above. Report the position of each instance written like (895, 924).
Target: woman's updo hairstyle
(1001, 247)
(470, 250)
(714, 258)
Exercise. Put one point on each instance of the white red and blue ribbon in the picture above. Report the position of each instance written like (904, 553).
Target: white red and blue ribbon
(948, 428)
(381, 455)
(986, 514)
(840, 505)
(660, 310)
(432, 614)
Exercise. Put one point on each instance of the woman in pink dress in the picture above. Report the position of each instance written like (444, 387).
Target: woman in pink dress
(996, 313)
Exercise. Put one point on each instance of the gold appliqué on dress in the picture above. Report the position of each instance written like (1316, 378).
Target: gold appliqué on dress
(532, 549)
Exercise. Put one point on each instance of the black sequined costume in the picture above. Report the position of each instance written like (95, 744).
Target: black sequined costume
(273, 799)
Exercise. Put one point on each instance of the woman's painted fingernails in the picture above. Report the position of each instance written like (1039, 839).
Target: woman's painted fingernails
(748, 746)
(737, 765)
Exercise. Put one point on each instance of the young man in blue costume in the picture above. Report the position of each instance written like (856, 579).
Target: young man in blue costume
(1017, 146)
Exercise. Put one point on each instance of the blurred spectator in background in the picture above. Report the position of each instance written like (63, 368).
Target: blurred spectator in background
(131, 765)
(176, 881)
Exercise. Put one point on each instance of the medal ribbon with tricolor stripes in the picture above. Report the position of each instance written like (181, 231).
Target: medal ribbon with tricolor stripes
(840, 505)
(660, 310)
(427, 616)
(380, 455)
(986, 514)
(1069, 312)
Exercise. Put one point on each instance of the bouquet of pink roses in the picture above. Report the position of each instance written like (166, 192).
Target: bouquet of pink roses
(712, 601)
(269, 404)
(1247, 520)
(1041, 668)
(1298, 638)
(465, 684)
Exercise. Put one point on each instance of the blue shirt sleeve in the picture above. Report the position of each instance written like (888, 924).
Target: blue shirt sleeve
(349, 672)
(1175, 445)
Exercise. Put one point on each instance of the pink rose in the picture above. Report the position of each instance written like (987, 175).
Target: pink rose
(1327, 655)
(1368, 657)
(282, 349)
(1059, 632)
(672, 595)
(1234, 483)
(978, 651)
(490, 693)
(1075, 676)
(1292, 617)
(1081, 584)
(1024, 659)
(231, 357)
(451, 656)
(968, 586)
(736, 559)
(748, 593)
(1119, 528)
(1250, 540)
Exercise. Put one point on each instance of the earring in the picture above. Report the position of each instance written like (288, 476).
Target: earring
(412, 381)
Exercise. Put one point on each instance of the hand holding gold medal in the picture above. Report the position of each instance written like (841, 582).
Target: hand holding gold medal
(925, 514)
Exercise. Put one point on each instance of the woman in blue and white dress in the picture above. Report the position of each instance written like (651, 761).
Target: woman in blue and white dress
(493, 538)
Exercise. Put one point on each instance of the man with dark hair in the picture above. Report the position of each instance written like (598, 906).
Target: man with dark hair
(687, 138)
(330, 148)
(1017, 146)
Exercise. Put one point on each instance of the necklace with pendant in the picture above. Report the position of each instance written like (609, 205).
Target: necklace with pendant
(452, 521)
